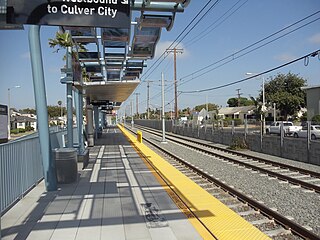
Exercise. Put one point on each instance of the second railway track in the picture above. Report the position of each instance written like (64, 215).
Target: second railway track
(297, 176)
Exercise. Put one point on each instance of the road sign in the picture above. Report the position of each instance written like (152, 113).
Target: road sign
(82, 13)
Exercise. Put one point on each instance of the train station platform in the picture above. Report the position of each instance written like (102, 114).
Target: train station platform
(126, 192)
(116, 197)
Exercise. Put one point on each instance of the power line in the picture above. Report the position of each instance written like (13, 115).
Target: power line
(206, 31)
(312, 54)
(232, 56)
(203, 8)
(257, 42)
(254, 49)
(202, 17)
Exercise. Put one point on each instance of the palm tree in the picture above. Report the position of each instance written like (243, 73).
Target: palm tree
(62, 41)
(60, 104)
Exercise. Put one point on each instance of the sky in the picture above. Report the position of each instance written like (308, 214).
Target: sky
(231, 31)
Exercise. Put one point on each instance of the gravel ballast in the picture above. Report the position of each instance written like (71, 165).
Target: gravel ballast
(298, 203)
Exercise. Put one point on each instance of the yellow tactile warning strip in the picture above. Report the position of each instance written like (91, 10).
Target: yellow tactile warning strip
(221, 221)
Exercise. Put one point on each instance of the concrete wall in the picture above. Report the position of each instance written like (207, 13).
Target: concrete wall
(295, 149)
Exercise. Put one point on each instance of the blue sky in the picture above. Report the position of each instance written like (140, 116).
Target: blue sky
(253, 21)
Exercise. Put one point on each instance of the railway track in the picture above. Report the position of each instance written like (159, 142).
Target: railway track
(304, 178)
(275, 225)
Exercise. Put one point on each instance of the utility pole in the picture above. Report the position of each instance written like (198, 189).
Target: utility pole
(131, 103)
(148, 98)
(175, 51)
(137, 104)
(207, 104)
(239, 94)
(163, 111)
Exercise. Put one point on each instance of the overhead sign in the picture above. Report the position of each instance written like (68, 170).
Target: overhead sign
(107, 108)
(99, 102)
(82, 13)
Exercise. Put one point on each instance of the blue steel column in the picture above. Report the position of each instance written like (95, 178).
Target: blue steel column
(69, 102)
(41, 108)
(79, 106)
(90, 131)
(96, 121)
(102, 120)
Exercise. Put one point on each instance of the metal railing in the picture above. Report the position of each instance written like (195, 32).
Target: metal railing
(21, 166)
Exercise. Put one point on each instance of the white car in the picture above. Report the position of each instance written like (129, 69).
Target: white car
(314, 130)
(288, 127)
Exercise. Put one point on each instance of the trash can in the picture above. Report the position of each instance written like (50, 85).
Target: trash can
(66, 165)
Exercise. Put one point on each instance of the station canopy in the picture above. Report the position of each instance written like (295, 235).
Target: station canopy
(117, 48)
(117, 57)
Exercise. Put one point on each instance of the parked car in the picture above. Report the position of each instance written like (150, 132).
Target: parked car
(288, 127)
(303, 133)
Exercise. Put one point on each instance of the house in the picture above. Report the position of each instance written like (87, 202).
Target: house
(21, 122)
(236, 112)
(198, 117)
(313, 101)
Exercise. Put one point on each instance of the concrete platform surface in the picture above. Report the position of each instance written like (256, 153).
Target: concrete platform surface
(115, 197)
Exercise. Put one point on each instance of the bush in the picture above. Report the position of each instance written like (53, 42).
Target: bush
(17, 130)
(316, 119)
(14, 131)
(303, 118)
(228, 122)
(237, 121)
(238, 144)
(29, 128)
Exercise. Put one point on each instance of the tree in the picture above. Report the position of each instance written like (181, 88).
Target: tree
(233, 102)
(60, 105)
(28, 110)
(62, 41)
(285, 91)
(55, 111)
(211, 107)
(316, 119)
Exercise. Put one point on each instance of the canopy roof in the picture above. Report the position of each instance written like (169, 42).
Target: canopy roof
(116, 56)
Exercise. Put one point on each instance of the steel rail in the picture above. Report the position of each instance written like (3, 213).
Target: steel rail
(248, 165)
(282, 165)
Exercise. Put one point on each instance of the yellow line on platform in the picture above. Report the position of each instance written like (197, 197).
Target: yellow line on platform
(221, 221)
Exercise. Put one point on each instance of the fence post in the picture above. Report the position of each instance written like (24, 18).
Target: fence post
(198, 131)
(245, 128)
(205, 128)
(183, 126)
(308, 140)
(261, 136)
(281, 138)
(232, 128)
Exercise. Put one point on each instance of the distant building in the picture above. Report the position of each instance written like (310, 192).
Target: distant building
(21, 122)
(236, 112)
(198, 117)
(313, 101)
